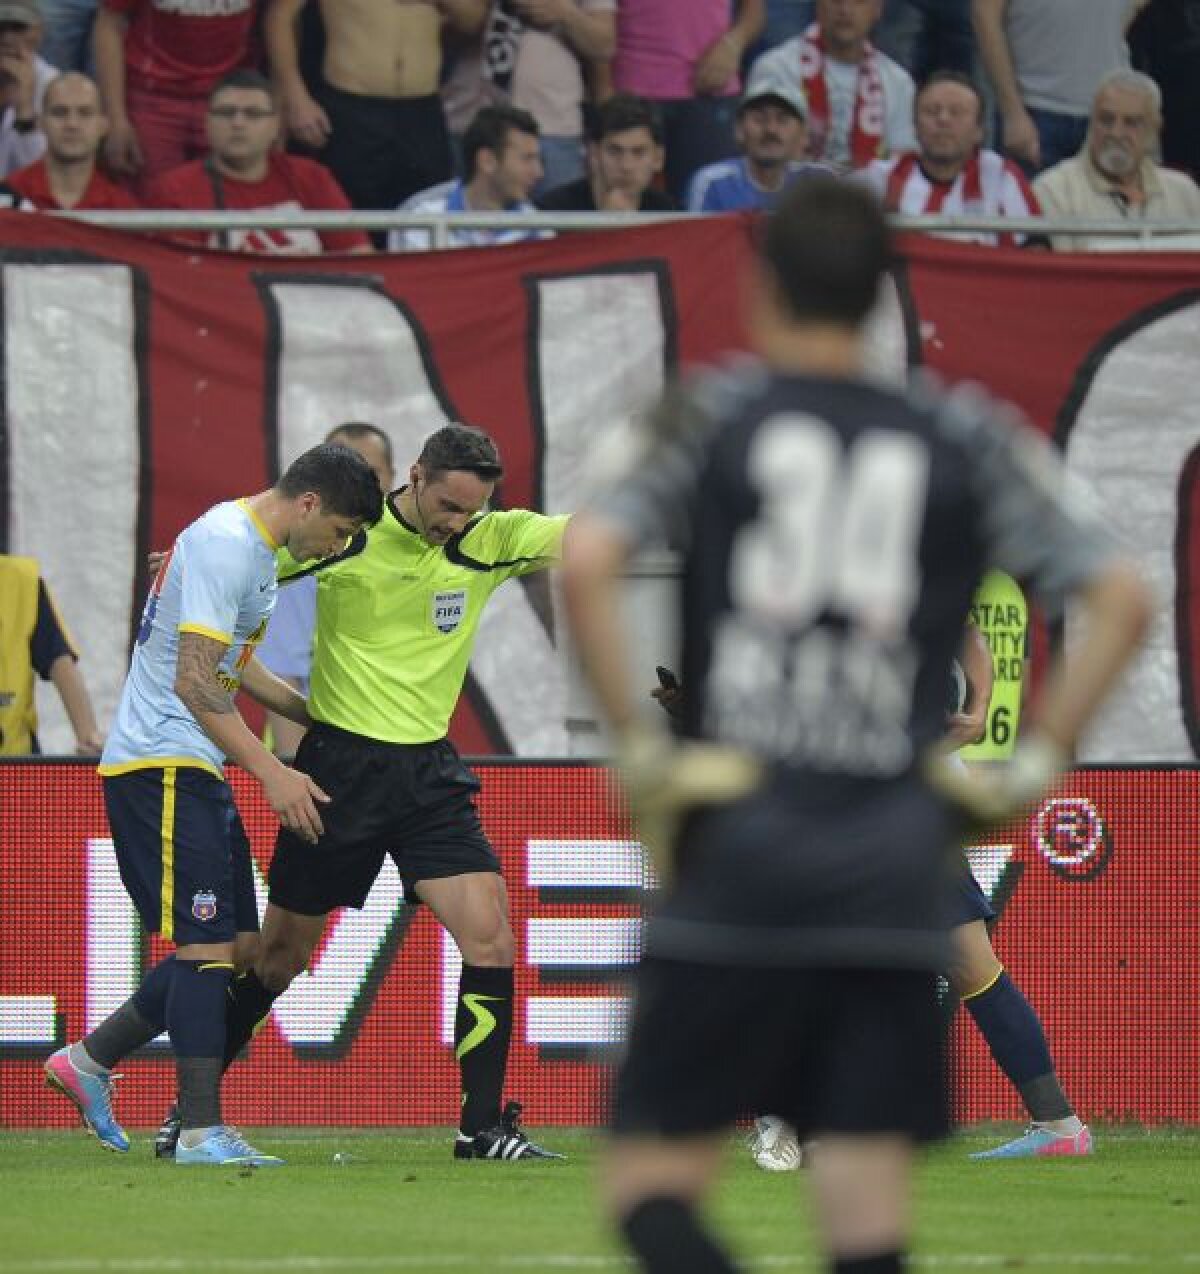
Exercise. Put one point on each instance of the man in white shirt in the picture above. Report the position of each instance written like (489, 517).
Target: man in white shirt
(950, 171)
(1114, 175)
(502, 158)
(860, 102)
(23, 80)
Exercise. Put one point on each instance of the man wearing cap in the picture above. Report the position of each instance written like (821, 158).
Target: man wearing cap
(23, 80)
(772, 133)
(860, 101)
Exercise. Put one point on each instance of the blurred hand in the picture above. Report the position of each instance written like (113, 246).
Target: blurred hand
(1021, 139)
(122, 150)
(294, 796)
(718, 64)
(17, 79)
(542, 13)
(663, 781)
(616, 199)
(306, 120)
(964, 728)
(670, 699)
(995, 794)
(90, 745)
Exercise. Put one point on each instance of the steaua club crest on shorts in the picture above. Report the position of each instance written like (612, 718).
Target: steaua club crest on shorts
(204, 905)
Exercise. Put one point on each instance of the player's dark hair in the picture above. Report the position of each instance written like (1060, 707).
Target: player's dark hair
(489, 130)
(828, 246)
(345, 482)
(952, 77)
(360, 429)
(461, 447)
(247, 78)
(621, 112)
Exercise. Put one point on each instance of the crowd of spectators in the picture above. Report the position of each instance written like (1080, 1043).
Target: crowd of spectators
(956, 106)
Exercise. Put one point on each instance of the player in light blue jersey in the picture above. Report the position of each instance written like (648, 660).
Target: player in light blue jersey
(180, 845)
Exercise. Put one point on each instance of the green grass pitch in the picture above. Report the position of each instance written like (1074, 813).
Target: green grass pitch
(401, 1203)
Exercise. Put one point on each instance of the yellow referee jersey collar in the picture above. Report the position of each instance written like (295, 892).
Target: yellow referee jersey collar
(393, 507)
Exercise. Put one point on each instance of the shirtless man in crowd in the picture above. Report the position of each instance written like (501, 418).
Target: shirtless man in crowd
(375, 117)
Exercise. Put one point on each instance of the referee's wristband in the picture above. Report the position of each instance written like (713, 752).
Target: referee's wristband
(25, 125)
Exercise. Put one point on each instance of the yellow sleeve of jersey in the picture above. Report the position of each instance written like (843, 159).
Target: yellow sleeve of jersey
(512, 542)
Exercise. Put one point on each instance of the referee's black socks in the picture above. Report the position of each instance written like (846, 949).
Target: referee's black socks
(482, 1029)
(247, 1004)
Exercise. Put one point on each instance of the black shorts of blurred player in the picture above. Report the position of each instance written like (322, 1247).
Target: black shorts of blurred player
(835, 1051)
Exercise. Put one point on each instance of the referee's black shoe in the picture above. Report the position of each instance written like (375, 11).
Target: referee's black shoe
(167, 1137)
(505, 1141)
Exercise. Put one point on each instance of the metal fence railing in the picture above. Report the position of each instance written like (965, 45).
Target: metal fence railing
(1141, 232)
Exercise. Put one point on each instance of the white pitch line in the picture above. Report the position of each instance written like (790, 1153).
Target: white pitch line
(551, 1261)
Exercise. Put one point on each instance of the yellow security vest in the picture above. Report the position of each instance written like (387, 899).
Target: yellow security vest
(999, 611)
(18, 615)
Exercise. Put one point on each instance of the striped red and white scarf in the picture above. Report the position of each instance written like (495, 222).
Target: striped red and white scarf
(870, 108)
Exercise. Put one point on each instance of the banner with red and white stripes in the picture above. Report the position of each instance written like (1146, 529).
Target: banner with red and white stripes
(144, 382)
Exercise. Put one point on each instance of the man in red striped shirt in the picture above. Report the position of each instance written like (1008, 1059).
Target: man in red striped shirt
(66, 176)
(951, 172)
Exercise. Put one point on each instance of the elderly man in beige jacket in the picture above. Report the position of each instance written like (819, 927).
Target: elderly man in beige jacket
(1115, 175)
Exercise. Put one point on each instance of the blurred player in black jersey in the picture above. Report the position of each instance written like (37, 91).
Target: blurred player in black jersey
(833, 533)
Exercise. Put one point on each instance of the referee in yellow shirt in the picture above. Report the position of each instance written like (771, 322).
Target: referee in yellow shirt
(397, 616)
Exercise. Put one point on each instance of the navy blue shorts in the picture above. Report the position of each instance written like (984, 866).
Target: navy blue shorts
(967, 901)
(182, 853)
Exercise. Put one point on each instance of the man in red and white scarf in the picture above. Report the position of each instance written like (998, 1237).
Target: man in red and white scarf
(950, 172)
(859, 100)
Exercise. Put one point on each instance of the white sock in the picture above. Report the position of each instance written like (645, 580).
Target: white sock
(190, 1138)
(1072, 1126)
(83, 1061)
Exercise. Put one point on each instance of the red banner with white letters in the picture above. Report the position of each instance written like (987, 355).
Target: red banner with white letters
(143, 382)
(1097, 893)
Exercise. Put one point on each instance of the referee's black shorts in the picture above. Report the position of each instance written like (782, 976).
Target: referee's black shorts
(852, 1051)
(414, 801)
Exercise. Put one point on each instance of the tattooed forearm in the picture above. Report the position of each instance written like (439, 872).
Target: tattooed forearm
(196, 678)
